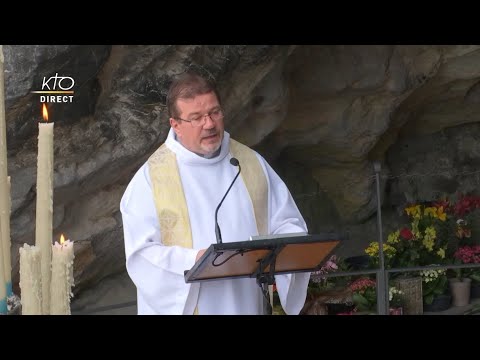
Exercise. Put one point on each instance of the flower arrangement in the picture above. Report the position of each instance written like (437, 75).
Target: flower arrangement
(364, 295)
(468, 254)
(395, 297)
(333, 264)
(462, 212)
(434, 283)
(328, 267)
(464, 248)
(421, 242)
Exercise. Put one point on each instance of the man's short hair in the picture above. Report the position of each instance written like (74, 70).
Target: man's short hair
(187, 86)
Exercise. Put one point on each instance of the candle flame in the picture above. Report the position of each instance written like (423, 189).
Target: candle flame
(62, 239)
(45, 112)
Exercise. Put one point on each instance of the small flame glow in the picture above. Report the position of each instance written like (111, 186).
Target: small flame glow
(62, 239)
(45, 112)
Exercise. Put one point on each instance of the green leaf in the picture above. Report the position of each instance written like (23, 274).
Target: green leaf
(427, 291)
(359, 300)
(443, 282)
(428, 299)
(438, 291)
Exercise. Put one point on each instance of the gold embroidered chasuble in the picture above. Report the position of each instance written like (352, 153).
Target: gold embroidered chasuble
(170, 200)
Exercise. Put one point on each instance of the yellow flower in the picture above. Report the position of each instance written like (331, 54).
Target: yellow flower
(414, 211)
(393, 238)
(436, 213)
(441, 214)
(432, 211)
(429, 238)
(373, 249)
(441, 253)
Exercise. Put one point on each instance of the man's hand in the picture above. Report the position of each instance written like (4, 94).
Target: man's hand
(199, 255)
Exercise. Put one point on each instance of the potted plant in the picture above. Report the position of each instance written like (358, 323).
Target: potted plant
(460, 285)
(474, 274)
(396, 301)
(328, 295)
(319, 283)
(364, 297)
(422, 241)
(434, 290)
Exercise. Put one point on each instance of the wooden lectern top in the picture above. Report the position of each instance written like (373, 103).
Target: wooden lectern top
(289, 254)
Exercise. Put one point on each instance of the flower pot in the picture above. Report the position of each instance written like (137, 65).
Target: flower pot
(475, 291)
(336, 308)
(396, 310)
(412, 294)
(359, 262)
(440, 303)
(460, 289)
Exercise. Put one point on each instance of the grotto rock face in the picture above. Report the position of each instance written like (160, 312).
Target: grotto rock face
(320, 114)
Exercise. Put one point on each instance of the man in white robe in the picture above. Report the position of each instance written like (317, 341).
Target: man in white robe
(156, 259)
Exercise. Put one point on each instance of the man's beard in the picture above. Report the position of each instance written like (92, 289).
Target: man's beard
(212, 149)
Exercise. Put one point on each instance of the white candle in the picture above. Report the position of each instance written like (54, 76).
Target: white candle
(44, 213)
(62, 277)
(4, 224)
(7, 262)
(3, 288)
(31, 280)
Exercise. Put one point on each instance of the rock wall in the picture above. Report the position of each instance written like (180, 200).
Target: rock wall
(320, 114)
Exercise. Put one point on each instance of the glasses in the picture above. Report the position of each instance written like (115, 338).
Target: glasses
(199, 120)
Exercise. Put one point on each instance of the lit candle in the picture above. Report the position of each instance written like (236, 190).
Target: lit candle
(31, 280)
(4, 196)
(62, 277)
(44, 212)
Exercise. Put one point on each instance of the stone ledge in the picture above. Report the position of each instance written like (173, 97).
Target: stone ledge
(456, 310)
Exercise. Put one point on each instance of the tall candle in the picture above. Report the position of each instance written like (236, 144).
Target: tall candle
(44, 212)
(7, 262)
(3, 289)
(31, 280)
(62, 277)
(4, 222)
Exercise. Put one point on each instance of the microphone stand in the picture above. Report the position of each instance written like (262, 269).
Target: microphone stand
(264, 279)
(218, 234)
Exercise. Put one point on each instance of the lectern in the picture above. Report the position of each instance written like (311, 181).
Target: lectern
(263, 259)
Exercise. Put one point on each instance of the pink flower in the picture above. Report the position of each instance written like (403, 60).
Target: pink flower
(331, 265)
(362, 284)
(468, 254)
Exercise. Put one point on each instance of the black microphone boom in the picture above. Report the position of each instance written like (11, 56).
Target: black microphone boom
(234, 162)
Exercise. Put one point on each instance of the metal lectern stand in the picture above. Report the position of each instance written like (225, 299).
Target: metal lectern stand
(263, 259)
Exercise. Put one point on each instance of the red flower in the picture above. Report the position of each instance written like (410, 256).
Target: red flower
(466, 204)
(406, 234)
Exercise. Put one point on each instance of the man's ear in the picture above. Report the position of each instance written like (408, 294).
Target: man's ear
(176, 126)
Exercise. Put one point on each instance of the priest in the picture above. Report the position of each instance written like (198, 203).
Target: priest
(168, 211)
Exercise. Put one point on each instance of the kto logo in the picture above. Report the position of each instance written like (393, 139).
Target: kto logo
(54, 86)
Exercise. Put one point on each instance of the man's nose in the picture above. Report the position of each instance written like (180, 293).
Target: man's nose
(209, 123)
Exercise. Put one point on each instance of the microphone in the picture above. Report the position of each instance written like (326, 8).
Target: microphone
(234, 162)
